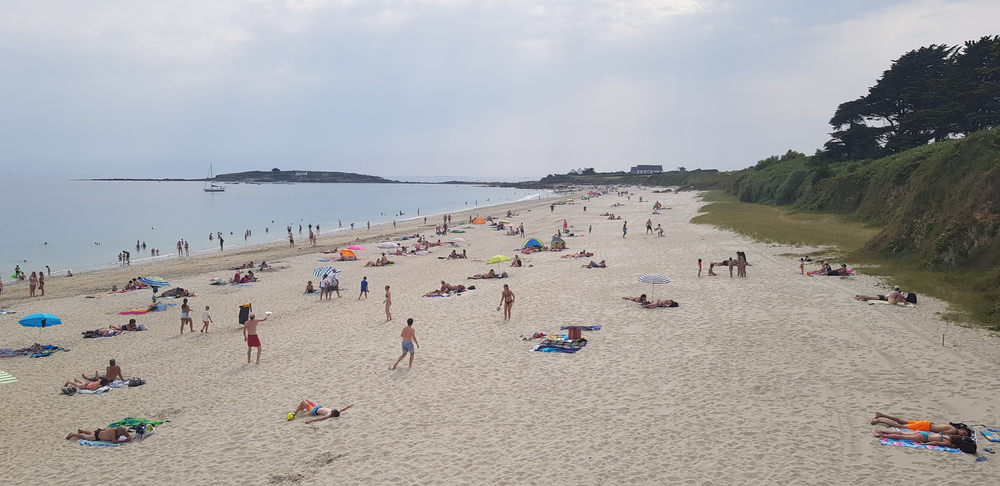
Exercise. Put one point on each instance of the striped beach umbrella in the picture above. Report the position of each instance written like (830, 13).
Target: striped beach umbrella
(319, 272)
(388, 245)
(154, 281)
(654, 279)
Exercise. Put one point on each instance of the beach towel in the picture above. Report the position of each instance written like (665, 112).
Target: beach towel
(102, 443)
(2, 312)
(47, 350)
(583, 328)
(910, 443)
(133, 421)
(561, 345)
(914, 445)
(12, 353)
(992, 435)
(93, 392)
(6, 377)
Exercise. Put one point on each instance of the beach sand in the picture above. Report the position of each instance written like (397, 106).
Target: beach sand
(769, 379)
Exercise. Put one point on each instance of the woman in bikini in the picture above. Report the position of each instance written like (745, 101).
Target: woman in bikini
(922, 437)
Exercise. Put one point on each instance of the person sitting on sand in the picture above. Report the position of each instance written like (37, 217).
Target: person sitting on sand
(264, 265)
(516, 262)
(711, 270)
(321, 412)
(111, 373)
(660, 303)
(894, 297)
(640, 299)
(309, 287)
(596, 265)
(922, 437)
(489, 274)
(921, 425)
(116, 435)
(89, 384)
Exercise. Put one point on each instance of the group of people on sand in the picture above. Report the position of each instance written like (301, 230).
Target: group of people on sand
(739, 264)
(455, 254)
(239, 278)
(112, 372)
(380, 262)
(206, 318)
(582, 254)
(648, 304)
(953, 435)
(445, 289)
(114, 330)
(825, 269)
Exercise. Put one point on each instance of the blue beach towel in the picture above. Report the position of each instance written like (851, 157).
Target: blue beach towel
(102, 443)
(549, 349)
(910, 443)
(992, 435)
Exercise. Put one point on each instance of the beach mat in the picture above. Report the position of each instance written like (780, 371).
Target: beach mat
(914, 445)
(582, 328)
(6, 377)
(992, 435)
(102, 443)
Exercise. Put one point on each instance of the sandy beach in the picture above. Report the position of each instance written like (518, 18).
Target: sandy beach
(768, 379)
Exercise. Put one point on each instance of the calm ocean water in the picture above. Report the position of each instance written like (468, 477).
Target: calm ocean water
(83, 225)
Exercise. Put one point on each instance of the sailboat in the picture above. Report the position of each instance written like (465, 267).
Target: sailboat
(210, 185)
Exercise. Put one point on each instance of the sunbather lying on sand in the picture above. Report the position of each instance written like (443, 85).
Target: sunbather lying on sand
(116, 435)
(582, 254)
(490, 274)
(894, 297)
(660, 303)
(640, 299)
(596, 265)
(88, 385)
(445, 289)
(321, 412)
(924, 425)
(922, 437)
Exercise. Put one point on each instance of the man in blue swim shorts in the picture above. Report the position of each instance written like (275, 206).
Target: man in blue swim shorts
(321, 412)
(409, 337)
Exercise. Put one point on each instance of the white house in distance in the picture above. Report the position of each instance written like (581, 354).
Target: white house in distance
(646, 169)
(301, 173)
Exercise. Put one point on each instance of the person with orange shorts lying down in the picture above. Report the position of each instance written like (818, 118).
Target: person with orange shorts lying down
(921, 425)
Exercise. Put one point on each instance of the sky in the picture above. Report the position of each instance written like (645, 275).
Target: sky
(406, 89)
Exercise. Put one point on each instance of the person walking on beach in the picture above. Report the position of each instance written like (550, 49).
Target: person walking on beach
(409, 337)
(388, 304)
(624, 229)
(334, 285)
(32, 284)
(507, 301)
(206, 318)
(364, 288)
(186, 316)
(649, 226)
(41, 282)
(250, 335)
(324, 286)
(699, 268)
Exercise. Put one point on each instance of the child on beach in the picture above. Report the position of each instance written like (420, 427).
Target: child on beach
(206, 318)
(699, 268)
(364, 288)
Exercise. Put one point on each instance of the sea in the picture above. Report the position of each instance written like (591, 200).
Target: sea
(83, 225)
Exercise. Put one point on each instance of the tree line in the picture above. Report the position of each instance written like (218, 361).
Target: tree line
(930, 94)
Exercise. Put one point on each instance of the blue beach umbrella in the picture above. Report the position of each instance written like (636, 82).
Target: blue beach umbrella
(532, 242)
(154, 281)
(40, 319)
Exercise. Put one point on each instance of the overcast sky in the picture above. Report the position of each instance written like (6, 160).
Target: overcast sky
(493, 89)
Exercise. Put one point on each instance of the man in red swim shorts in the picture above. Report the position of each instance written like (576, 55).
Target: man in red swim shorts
(250, 335)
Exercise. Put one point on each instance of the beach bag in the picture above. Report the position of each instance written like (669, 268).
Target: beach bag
(136, 382)
(968, 445)
(245, 310)
(911, 298)
(575, 332)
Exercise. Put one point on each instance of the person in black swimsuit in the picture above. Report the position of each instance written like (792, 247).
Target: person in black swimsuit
(116, 435)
